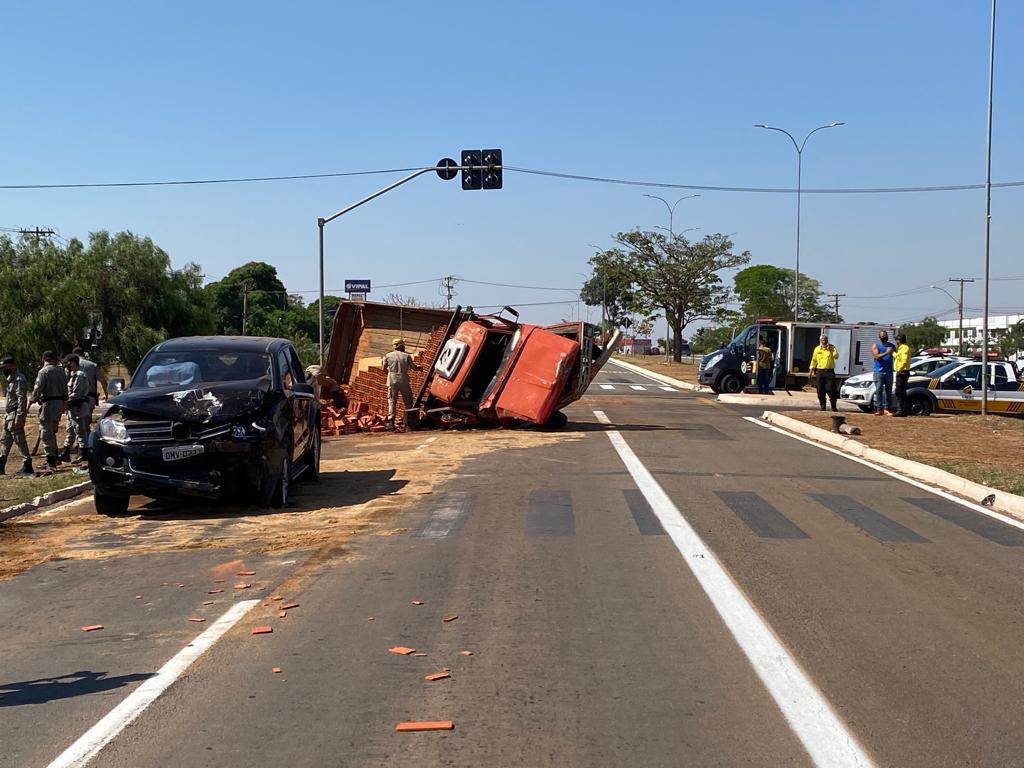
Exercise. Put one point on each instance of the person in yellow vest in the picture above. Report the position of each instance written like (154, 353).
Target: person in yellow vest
(823, 364)
(901, 365)
(765, 367)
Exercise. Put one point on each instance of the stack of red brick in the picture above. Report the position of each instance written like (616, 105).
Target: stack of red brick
(366, 397)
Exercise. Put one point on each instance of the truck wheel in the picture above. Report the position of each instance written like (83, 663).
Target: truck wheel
(556, 420)
(730, 384)
(920, 406)
(110, 505)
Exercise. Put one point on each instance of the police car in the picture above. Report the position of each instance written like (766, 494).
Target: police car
(956, 388)
(860, 389)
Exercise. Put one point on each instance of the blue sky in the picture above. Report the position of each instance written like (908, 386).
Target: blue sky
(645, 90)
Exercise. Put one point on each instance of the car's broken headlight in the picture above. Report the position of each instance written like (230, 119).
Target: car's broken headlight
(113, 430)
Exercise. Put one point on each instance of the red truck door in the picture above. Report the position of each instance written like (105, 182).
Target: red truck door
(534, 386)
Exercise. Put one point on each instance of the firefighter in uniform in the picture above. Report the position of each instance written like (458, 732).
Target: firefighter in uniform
(51, 392)
(823, 362)
(79, 410)
(15, 413)
(397, 363)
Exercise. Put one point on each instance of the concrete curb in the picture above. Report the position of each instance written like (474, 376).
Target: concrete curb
(660, 377)
(1005, 502)
(784, 399)
(46, 500)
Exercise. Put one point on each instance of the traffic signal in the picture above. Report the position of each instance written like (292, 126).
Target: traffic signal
(472, 178)
(492, 169)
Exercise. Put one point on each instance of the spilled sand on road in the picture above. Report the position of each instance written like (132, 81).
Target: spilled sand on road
(375, 477)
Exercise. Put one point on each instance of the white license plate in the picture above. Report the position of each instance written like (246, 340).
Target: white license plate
(177, 453)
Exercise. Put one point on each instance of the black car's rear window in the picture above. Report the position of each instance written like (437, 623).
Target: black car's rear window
(194, 367)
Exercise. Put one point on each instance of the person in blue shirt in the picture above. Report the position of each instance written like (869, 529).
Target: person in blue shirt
(883, 351)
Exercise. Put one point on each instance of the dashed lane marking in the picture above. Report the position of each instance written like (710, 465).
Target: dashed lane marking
(810, 716)
(448, 515)
(607, 386)
(101, 734)
(668, 389)
(638, 387)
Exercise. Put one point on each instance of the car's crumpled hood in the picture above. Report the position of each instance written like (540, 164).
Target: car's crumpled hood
(212, 403)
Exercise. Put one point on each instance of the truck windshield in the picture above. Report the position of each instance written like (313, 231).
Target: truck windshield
(192, 368)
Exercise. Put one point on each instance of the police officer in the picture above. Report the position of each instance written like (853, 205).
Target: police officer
(79, 410)
(15, 414)
(823, 362)
(51, 392)
(397, 363)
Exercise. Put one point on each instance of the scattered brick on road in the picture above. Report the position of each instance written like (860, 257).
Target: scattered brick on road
(401, 650)
(263, 630)
(426, 725)
(92, 627)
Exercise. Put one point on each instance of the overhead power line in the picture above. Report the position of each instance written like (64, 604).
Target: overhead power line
(515, 169)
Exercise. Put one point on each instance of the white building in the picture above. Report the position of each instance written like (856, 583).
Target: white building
(997, 327)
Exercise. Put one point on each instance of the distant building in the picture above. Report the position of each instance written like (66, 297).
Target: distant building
(997, 328)
(636, 346)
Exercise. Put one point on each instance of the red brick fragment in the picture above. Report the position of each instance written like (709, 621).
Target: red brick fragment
(92, 627)
(219, 581)
(465, 653)
(246, 573)
(196, 619)
(419, 653)
(209, 602)
(214, 591)
(449, 618)
(425, 725)
(276, 597)
(401, 650)
(289, 606)
(437, 676)
(262, 630)
(276, 670)
(243, 586)
(282, 614)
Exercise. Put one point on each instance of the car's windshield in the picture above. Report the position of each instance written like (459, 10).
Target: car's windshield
(194, 367)
(944, 369)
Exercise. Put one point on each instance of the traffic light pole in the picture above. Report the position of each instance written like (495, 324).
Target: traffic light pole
(446, 170)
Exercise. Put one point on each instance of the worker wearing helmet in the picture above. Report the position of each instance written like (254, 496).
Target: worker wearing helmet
(397, 363)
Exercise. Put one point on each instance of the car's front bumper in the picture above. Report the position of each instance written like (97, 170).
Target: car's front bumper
(224, 468)
(857, 395)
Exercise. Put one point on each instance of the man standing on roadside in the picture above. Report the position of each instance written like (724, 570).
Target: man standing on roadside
(823, 363)
(397, 363)
(883, 350)
(79, 408)
(901, 366)
(765, 368)
(51, 392)
(15, 413)
(94, 376)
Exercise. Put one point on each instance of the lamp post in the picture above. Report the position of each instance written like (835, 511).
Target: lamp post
(799, 189)
(988, 212)
(959, 307)
(671, 238)
(604, 295)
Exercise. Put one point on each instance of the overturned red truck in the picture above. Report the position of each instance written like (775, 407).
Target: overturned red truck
(476, 369)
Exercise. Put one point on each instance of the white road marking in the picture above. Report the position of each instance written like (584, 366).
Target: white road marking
(607, 386)
(823, 734)
(101, 734)
(444, 518)
(668, 389)
(638, 387)
(892, 473)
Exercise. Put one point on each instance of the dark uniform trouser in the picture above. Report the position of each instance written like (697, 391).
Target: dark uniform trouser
(13, 436)
(902, 406)
(78, 424)
(827, 385)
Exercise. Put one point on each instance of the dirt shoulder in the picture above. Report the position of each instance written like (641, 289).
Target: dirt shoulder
(986, 451)
(16, 490)
(684, 371)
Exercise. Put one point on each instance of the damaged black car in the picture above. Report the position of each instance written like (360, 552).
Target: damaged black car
(218, 417)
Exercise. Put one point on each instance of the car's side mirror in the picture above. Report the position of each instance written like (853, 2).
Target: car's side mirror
(115, 386)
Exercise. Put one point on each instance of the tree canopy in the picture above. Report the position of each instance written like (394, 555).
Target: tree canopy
(765, 290)
(925, 334)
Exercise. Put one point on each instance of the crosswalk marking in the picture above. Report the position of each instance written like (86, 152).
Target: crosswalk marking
(447, 516)
(607, 386)
(638, 387)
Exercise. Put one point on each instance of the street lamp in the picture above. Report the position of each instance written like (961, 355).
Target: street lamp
(960, 311)
(799, 189)
(671, 238)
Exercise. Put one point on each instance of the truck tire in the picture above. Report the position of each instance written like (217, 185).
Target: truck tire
(109, 504)
(556, 420)
(920, 405)
(730, 383)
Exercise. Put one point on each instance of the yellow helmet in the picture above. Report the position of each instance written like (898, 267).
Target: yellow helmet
(398, 342)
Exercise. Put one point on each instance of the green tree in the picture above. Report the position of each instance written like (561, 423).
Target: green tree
(679, 277)
(609, 285)
(925, 334)
(1012, 342)
(765, 290)
(253, 289)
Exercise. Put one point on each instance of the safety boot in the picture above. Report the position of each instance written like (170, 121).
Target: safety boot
(3, 464)
(64, 457)
(51, 462)
(26, 469)
(83, 455)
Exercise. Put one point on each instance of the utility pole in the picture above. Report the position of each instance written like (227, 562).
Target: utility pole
(960, 308)
(245, 305)
(448, 289)
(836, 297)
(37, 232)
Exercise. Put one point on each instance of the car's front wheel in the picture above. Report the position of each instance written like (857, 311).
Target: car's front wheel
(275, 484)
(920, 406)
(109, 504)
(313, 456)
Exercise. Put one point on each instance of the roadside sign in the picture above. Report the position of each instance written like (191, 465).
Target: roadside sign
(446, 168)
(357, 286)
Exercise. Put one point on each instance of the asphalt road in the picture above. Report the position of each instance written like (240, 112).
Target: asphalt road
(810, 610)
